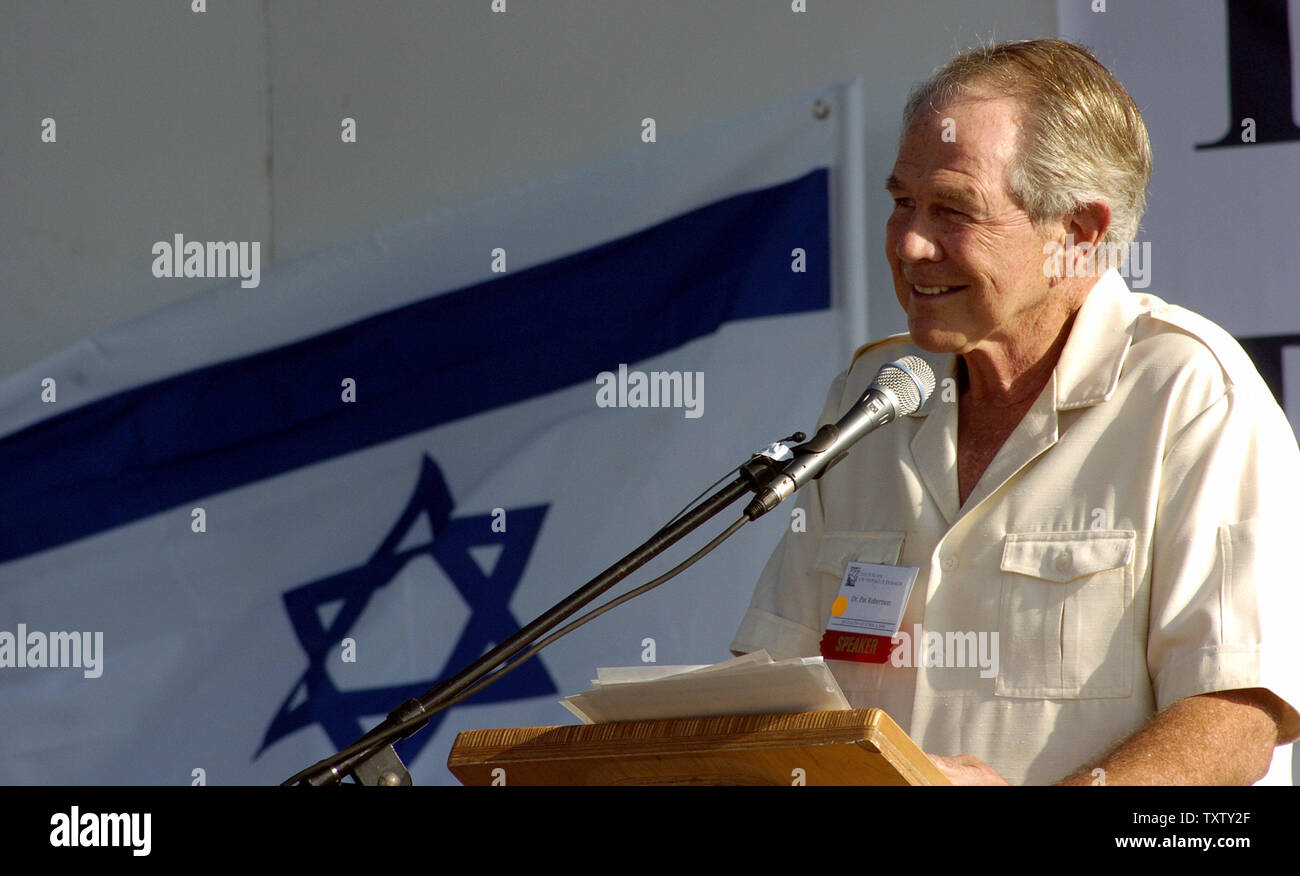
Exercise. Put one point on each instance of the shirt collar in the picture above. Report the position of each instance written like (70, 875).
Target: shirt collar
(1090, 364)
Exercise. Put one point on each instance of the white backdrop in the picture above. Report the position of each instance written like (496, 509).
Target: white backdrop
(1221, 222)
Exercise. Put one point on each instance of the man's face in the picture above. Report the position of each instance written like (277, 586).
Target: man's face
(955, 225)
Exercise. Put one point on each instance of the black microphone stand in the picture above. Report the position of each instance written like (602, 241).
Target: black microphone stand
(372, 760)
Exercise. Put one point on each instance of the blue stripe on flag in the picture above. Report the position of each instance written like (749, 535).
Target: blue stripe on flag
(157, 446)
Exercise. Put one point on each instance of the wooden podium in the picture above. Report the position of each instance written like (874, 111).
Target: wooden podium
(857, 747)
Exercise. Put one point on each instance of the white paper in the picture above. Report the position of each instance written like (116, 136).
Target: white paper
(748, 685)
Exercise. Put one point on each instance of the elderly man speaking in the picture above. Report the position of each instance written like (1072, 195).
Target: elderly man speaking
(1102, 489)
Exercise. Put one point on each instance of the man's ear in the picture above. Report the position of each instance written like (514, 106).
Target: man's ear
(1087, 225)
(1090, 222)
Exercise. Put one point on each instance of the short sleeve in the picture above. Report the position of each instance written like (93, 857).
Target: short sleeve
(1224, 607)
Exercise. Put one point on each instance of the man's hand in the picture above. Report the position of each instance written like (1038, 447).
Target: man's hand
(967, 769)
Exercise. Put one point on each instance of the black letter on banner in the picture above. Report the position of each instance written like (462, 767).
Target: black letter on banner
(1259, 73)
(1266, 352)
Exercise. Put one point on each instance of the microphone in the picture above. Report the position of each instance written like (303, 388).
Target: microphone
(900, 388)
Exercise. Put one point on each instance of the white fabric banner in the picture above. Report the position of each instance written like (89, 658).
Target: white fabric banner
(272, 514)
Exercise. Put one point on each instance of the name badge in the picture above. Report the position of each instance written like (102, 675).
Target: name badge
(868, 612)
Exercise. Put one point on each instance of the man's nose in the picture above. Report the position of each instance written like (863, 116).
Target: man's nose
(914, 242)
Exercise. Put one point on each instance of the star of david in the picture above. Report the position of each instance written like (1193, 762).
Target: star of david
(340, 712)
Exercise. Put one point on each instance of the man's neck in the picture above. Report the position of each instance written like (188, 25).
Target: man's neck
(1013, 374)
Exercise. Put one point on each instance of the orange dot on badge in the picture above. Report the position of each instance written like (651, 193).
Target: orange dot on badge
(839, 606)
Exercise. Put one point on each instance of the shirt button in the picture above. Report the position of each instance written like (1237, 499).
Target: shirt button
(1064, 562)
(948, 563)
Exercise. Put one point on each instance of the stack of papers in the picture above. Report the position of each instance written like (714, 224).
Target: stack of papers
(749, 685)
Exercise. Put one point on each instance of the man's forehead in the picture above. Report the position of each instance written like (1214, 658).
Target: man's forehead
(963, 145)
(979, 113)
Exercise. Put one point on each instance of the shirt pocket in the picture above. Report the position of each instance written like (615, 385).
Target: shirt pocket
(837, 549)
(1066, 615)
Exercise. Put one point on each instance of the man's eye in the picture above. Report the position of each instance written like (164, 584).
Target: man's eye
(902, 203)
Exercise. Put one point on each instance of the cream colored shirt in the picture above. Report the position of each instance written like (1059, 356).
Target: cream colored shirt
(1130, 545)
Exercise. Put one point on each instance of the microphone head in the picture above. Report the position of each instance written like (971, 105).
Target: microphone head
(910, 380)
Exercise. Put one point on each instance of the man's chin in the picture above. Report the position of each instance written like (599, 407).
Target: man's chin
(936, 340)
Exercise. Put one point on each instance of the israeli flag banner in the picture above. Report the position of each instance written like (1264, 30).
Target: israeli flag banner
(238, 532)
